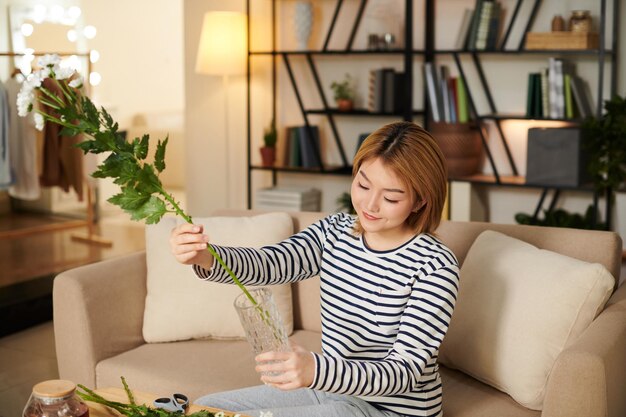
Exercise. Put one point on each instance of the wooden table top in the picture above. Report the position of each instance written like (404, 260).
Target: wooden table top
(119, 395)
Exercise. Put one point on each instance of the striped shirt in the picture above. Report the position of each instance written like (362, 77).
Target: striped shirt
(384, 313)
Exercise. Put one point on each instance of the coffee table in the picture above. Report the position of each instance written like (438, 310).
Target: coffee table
(119, 395)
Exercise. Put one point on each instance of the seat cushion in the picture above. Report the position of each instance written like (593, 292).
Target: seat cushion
(464, 396)
(194, 367)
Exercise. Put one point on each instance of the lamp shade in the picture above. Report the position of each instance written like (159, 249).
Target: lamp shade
(223, 44)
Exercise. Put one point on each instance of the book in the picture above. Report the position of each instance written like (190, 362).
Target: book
(431, 89)
(471, 39)
(454, 100)
(400, 92)
(466, 22)
(567, 92)
(493, 32)
(310, 151)
(530, 91)
(388, 90)
(463, 116)
(292, 148)
(374, 102)
(545, 101)
(483, 25)
(445, 96)
(581, 98)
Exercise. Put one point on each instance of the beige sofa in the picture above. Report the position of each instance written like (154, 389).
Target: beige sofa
(98, 312)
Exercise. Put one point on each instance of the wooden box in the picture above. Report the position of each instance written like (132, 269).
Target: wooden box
(561, 40)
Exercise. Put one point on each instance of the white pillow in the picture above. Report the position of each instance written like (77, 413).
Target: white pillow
(181, 306)
(518, 307)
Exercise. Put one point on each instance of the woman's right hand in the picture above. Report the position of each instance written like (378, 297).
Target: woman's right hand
(189, 245)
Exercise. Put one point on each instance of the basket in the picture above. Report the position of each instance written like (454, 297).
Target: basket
(461, 145)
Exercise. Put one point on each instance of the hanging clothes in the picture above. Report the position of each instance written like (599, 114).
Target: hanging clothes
(62, 161)
(5, 160)
(23, 139)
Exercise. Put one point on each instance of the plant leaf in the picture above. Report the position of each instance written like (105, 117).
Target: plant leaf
(140, 147)
(159, 156)
(152, 210)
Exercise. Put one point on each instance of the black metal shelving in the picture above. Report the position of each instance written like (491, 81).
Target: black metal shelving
(429, 54)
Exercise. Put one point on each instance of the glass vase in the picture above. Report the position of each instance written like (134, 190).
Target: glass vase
(262, 322)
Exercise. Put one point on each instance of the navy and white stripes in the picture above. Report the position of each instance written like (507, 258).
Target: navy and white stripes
(384, 314)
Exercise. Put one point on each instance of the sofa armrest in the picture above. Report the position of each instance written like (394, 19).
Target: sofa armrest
(589, 376)
(98, 313)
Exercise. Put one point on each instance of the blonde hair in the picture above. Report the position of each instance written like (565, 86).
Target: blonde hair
(413, 154)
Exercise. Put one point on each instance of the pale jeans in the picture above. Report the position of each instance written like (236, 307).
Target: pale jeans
(297, 403)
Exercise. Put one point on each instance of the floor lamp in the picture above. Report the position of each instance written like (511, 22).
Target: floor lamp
(222, 51)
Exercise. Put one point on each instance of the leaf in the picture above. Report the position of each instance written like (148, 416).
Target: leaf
(152, 210)
(159, 156)
(147, 180)
(129, 199)
(140, 147)
(112, 167)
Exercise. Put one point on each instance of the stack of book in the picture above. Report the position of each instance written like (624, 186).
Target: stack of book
(481, 28)
(287, 198)
(556, 92)
(447, 96)
(386, 87)
(301, 149)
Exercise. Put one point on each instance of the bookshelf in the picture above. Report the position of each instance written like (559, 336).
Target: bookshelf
(416, 106)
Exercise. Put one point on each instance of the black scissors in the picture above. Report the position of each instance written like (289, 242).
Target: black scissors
(175, 403)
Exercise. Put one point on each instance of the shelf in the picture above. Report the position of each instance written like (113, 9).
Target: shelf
(512, 116)
(360, 112)
(329, 170)
(337, 52)
(591, 52)
(515, 181)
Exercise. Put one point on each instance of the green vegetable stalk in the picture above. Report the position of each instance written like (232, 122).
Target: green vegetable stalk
(142, 194)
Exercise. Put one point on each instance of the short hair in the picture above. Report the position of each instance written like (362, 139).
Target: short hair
(413, 154)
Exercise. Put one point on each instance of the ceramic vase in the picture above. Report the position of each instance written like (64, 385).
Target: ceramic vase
(303, 23)
(262, 322)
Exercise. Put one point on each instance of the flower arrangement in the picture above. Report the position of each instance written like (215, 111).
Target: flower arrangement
(142, 194)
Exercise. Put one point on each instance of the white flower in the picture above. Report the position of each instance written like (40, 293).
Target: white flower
(266, 414)
(64, 73)
(25, 100)
(77, 82)
(39, 121)
(219, 414)
(49, 61)
(33, 81)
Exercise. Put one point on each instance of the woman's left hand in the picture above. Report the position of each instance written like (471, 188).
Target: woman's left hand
(289, 370)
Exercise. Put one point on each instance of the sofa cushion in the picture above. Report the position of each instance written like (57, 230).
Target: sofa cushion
(193, 367)
(180, 306)
(518, 307)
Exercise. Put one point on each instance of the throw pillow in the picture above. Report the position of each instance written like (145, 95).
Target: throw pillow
(518, 307)
(180, 306)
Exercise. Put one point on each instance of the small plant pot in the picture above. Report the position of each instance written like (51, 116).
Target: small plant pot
(268, 156)
(345, 105)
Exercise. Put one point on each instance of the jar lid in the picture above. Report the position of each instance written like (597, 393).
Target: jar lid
(54, 388)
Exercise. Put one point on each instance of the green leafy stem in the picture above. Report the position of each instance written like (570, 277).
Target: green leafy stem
(132, 409)
(142, 194)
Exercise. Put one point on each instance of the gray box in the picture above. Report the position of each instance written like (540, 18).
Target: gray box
(555, 157)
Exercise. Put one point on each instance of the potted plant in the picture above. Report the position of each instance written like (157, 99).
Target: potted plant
(268, 151)
(344, 93)
(605, 142)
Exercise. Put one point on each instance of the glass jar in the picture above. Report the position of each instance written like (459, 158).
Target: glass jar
(580, 21)
(55, 398)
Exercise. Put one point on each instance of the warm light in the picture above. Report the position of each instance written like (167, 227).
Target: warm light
(74, 12)
(89, 32)
(223, 45)
(27, 29)
(95, 78)
(57, 12)
(72, 36)
(94, 56)
(39, 13)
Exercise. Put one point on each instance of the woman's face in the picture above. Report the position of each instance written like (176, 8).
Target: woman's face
(382, 201)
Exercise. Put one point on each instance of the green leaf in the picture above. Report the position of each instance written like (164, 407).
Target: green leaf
(159, 156)
(140, 147)
(112, 167)
(148, 180)
(129, 199)
(152, 210)
(128, 174)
